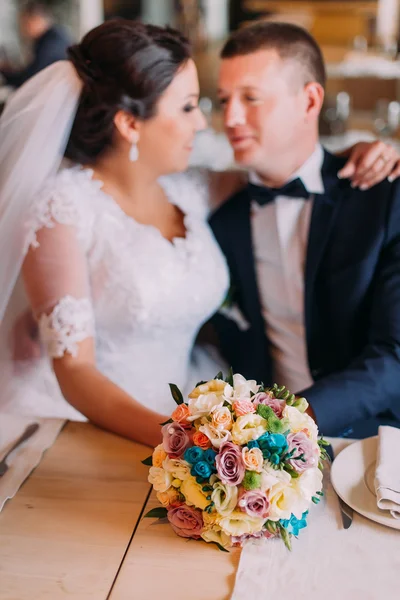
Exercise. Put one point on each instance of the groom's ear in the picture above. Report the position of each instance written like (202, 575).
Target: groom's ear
(314, 94)
(127, 126)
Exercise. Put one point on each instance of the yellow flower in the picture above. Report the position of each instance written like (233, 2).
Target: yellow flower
(239, 523)
(299, 421)
(194, 494)
(160, 480)
(249, 427)
(159, 455)
(210, 519)
(216, 386)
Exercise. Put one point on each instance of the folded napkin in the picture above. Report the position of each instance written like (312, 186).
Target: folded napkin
(387, 474)
(28, 455)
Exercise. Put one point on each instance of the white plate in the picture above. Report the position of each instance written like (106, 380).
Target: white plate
(352, 476)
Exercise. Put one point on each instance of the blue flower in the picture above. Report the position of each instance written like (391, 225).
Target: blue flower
(209, 456)
(253, 444)
(274, 458)
(293, 525)
(201, 470)
(272, 443)
(193, 455)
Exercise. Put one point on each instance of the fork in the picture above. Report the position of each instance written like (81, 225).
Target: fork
(29, 431)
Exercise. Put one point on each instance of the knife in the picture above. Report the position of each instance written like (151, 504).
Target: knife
(346, 512)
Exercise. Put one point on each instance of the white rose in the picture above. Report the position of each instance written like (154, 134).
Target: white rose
(178, 468)
(215, 534)
(275, 483)
(224, 497)
(216, 436)
(308, 484)
(222, 418)
(299, 421)
(239, 523)
(289, 496)
(203, 405)
(242, 388)
(249, 427)
(160, 480)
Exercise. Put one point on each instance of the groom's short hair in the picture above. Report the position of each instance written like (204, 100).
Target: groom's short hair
(290, 42)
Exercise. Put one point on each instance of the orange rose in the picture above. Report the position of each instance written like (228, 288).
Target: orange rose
(180, 415)
(201, 440)
(169, 498)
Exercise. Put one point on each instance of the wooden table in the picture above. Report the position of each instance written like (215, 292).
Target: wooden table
(65, 533)
(74, 530)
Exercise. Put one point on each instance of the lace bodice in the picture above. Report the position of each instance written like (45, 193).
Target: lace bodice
(142, 297)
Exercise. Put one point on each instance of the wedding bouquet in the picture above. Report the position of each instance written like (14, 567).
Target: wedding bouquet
(238, 461)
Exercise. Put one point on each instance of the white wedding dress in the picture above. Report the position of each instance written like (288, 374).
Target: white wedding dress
(141, 297)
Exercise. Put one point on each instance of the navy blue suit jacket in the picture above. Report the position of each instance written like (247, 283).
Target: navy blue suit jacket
(352, 299)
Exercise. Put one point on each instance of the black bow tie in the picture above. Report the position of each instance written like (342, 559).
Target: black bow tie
(263, 195)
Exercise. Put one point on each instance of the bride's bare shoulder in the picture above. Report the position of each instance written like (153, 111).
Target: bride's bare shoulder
(224, 184)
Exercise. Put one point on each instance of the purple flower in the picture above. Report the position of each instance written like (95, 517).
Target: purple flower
(186, 521)
(267, 399)
(175, 439)
(303, 447)
(254, 503)
(230, 465)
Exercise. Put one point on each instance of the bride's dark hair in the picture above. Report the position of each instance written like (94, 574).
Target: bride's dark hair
(123, 65)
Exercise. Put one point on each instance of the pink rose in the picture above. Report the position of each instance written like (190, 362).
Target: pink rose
(303, 447)
(254, 503)
(230, 464)
(175, 439)
(243, 407)
(186, 521)
(267, 399)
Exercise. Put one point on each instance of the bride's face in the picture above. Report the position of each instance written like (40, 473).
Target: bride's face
(166, 140)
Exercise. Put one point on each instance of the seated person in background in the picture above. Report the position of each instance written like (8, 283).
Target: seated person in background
(49, 42)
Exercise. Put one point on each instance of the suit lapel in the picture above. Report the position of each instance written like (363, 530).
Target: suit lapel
(244, 266)
(323, 217)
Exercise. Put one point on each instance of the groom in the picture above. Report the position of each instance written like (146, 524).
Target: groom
(314, 263)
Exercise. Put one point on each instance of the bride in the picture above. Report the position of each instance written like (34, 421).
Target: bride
(117, 261)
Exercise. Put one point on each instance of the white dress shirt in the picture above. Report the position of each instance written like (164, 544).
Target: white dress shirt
(280, 238)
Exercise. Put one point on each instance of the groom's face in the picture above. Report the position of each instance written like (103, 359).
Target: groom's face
(264, 106)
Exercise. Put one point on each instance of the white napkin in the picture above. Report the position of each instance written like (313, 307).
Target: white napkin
(387, 474)
(29, 454)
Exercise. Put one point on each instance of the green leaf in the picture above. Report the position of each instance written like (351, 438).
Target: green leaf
(219, 376)
(176, 393)
(166, 422)
(219, 546)
(157, 513)
(322, 442)
(200, 383)
(286, 538)
(148, 461)
(229, 378)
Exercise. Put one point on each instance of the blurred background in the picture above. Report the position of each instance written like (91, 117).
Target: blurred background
(360, 40)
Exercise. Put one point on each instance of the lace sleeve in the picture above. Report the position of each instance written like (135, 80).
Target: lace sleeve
(56, 277)
(70, 322)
